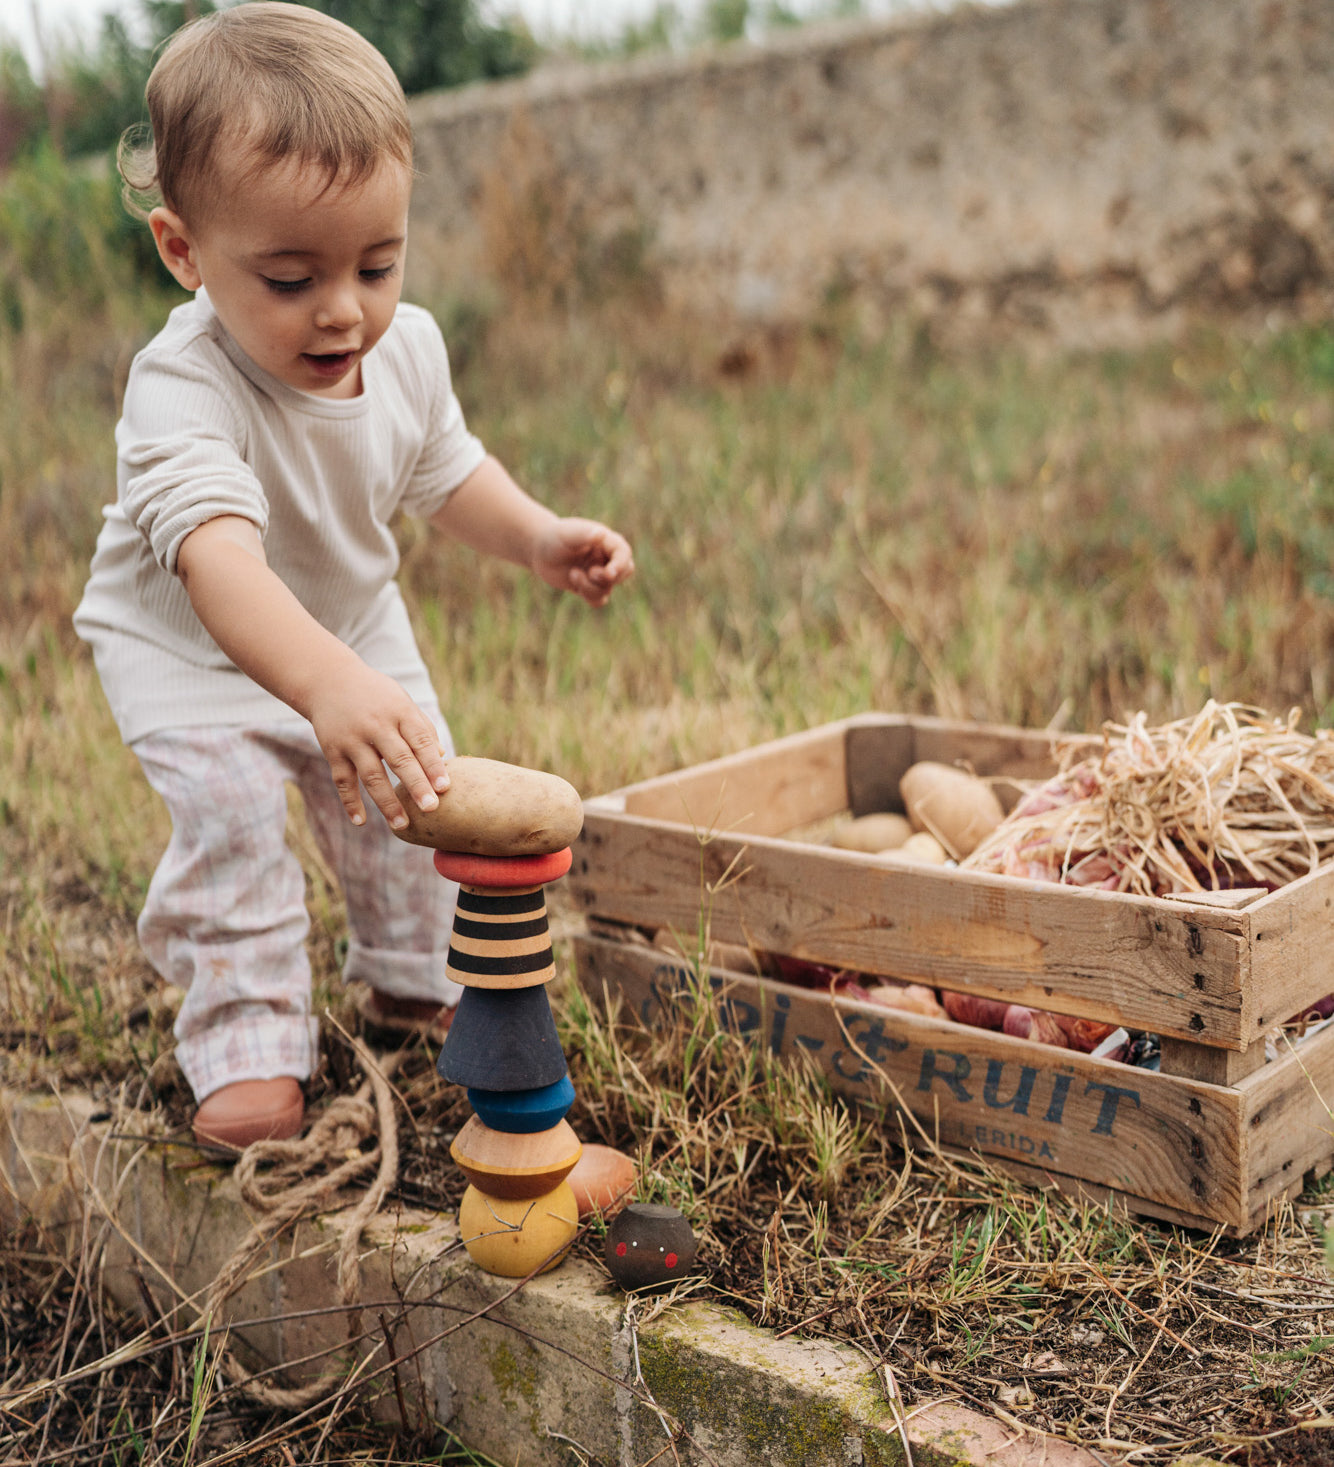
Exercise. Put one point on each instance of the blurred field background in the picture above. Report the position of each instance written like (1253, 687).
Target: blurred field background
(826, 519)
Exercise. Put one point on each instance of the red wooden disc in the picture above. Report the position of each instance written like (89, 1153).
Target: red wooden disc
(500, 873)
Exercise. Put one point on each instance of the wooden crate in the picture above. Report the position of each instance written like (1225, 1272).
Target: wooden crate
(1215, 1138)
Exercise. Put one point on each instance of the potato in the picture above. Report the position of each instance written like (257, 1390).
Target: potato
(914, 998)
(496, 809)
(883, 831)
(920, 849)
(958, 808)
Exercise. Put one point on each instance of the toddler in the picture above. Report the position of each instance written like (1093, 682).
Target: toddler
(242, 608)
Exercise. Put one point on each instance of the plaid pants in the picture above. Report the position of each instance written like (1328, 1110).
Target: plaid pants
(225, 917)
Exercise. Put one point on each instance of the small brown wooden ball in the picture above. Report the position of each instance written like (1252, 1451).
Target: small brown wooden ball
(649, 1245)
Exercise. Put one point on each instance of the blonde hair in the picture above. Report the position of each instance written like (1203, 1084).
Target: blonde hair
(273, 81)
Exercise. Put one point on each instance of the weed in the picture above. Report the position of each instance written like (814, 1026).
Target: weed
(203, 1375)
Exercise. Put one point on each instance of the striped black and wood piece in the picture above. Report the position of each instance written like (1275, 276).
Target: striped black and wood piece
(501, 939)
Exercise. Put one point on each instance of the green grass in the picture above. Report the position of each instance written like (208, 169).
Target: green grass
(825, 520)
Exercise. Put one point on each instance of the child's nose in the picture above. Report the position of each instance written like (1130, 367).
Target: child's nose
(339, 309)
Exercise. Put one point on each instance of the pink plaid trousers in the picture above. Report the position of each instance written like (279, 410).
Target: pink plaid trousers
(225, 917)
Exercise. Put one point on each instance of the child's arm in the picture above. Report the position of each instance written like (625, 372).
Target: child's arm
(360, 716)
(489, 513)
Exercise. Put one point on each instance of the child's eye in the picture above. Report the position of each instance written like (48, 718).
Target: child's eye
(383, 273)
(285, 287)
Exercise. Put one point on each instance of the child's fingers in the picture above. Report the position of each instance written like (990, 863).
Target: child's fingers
(367, 722)
(619, 564)
(425, 745)
(407, 761)
(348, 784)
(582, 583)
(381, 790)
(608, 563)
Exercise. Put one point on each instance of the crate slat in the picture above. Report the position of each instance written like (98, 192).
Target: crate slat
(1292, 945)
(1216, 1066)
(1287, 1121)
(790, 782)
(1158, 1138)
(1141, 963)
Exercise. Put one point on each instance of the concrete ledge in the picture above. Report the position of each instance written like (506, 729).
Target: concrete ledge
(520, 1374)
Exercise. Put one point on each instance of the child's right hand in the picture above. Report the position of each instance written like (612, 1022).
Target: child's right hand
(362, 718)
(363, 721)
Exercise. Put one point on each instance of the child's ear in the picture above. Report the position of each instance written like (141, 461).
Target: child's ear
(175, 244)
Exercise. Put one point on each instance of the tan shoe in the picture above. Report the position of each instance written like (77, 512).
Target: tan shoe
(392, 1021)
(251, 1110)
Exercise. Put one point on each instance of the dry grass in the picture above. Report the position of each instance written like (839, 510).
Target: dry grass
(1140, 1341)
(826, 520)
(1065, 1320)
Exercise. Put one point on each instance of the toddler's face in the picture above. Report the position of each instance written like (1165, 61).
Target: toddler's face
(306, 277)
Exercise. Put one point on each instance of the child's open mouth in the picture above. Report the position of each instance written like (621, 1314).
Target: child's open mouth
(329, 364)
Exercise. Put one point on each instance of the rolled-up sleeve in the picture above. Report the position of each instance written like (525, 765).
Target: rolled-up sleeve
(180, 443)
(451, 451)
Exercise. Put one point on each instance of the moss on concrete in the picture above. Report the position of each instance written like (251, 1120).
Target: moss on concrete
(516, 1380)
(782, 1424)
(511, 1377)
(949, 1449)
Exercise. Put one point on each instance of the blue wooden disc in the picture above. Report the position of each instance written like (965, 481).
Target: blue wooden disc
(523, 1110)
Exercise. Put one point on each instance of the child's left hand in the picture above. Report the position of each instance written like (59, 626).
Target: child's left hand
(583, 556)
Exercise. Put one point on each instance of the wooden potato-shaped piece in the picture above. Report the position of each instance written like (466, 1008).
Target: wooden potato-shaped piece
(958, 808)
(496, 809)
(602, 1180)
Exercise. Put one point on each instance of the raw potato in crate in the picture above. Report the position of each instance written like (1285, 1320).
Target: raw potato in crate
(884, 830)
(957, 808)
(1230, 798)
(920, 849)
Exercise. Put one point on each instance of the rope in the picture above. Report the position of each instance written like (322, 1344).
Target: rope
(288, 1180)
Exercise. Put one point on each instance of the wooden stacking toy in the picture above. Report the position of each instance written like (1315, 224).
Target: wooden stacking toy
(649, 1245)
(503, 833)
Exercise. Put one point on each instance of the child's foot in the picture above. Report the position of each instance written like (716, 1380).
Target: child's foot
(251, 1110)
(397, 1019)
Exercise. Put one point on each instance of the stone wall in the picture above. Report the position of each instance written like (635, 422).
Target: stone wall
(1052, 160)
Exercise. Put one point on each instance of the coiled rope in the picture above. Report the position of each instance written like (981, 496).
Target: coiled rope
(287, 1180)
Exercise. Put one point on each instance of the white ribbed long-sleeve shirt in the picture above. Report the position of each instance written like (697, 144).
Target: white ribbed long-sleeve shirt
(205, 432)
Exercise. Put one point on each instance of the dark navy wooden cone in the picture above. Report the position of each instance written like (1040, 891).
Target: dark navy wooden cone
(502, 1039)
